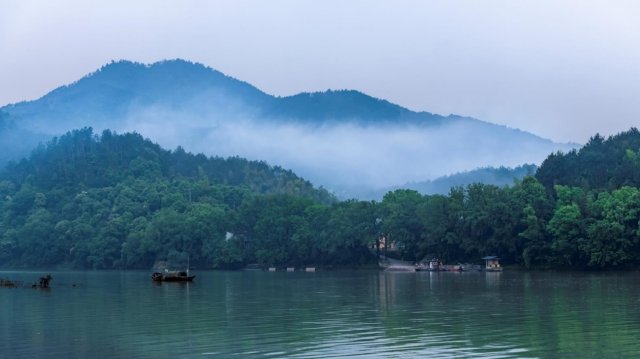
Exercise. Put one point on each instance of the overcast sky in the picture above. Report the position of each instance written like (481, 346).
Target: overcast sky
(560, 69)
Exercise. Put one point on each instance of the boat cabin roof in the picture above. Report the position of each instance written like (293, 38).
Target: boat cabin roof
(488, 258)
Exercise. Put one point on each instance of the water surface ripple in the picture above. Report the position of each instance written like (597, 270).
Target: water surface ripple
(323, 315)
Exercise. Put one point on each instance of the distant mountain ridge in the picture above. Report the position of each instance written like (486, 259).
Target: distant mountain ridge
(501, 177)
(344, 140)
(109, 93)
(115, 87)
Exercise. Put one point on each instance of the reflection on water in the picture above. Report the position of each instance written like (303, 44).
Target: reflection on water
(323, 314)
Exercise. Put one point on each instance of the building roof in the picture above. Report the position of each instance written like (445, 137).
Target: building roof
(487, 258)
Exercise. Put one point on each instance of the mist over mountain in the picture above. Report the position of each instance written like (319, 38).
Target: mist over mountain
(16, 142)
(346, 141)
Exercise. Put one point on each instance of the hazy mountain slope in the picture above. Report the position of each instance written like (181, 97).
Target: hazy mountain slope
(346, 141)
(81, 159)
(501, 176)
(106, 97)
(322, 107)
(15, 141)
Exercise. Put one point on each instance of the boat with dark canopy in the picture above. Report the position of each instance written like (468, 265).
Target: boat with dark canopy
(172, 276)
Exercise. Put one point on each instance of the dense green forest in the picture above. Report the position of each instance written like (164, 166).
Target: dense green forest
(599, 165)
(119, 201)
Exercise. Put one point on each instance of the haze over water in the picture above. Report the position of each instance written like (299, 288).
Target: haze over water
(324, 314)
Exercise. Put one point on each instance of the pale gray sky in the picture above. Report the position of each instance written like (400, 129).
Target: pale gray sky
(561, 69)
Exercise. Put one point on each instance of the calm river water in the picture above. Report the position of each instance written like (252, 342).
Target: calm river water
(323, 315)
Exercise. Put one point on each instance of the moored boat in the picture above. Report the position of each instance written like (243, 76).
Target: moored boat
(172, 276)
(492, 264)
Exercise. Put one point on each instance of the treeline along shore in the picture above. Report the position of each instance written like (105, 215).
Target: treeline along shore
(118, 201)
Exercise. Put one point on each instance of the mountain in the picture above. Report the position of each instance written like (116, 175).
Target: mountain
(344, 140)
(81, 159)
(501, 177)
(15, 142)
(121, 201)
(106, 97)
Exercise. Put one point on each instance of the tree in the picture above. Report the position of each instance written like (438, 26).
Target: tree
(401, 224)
(566, 225)
(614, 232)
(536, 250)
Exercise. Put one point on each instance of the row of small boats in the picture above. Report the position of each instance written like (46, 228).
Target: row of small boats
(448, 268)
(435, 265)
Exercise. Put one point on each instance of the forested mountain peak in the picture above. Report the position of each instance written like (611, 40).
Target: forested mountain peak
(82, 159)
(121, 84)
(343, 104)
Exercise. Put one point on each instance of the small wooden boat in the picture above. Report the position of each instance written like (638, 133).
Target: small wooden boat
(172, 276)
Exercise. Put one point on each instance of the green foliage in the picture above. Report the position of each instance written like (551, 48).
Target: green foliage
(613, 235)
(119, 201)
(566, 226)
(599, 165)
(401, 223)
